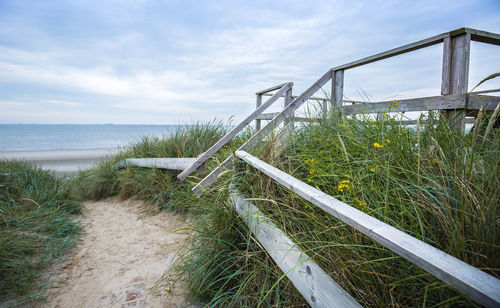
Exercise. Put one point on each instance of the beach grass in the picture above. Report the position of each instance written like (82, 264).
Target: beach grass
(158, 187)
(37, 215)
(429, 181)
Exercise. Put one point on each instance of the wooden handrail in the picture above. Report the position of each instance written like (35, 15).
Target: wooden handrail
(250, 143)
(271, 89)
(441, 102)
(312, 282)
(476, 35)
(230, 135)
(480, 286)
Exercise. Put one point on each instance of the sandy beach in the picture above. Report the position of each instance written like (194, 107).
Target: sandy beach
(63, 162)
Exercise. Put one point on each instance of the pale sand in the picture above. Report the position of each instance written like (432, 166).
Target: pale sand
(121, 259)
(63, 162)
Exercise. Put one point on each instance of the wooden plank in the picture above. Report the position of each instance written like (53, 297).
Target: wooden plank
(312, 282)
(271, 88)
(288, 101)
(267, 116)
(258, 103)
(159, 163)
(295, 96)
(395, 51)
(476, 101)
(484, 37)
(446, 102)
(250, 143)
(485, 91)
(337, 87)
(471, 281)
(476, 35)
(224, 140)
(270, 116)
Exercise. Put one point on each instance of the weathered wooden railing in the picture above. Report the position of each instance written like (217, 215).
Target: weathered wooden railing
(454, 102)
(318, 289)
(471, 281)
(283, 89)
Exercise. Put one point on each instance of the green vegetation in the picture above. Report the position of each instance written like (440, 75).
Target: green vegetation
(430, 182)
(36, 227)
(436, 185)
(158, 187)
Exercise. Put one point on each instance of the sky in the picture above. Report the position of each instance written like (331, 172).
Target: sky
(180, 62)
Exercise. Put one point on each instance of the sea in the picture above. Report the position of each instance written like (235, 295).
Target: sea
(33, 137)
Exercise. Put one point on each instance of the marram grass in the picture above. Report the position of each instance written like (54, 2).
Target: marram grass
(36, 227)
(428, 181)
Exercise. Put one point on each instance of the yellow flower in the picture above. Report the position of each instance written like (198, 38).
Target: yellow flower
(394, 104)
(372, 169)
(309, 180)
(343, 185)
(341, 125)
(312, 171)
(362, 203)
(388, 141)
(377, 145)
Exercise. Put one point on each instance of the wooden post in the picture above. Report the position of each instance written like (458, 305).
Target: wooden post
(257, 105)
(337, 87)
(324, 108)
(455, 75)
(288, 100)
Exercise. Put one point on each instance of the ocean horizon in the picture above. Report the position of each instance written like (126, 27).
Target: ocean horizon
(39, 137)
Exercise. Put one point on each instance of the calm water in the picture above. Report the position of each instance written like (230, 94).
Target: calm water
(21, 137)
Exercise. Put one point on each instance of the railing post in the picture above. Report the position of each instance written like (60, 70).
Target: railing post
(288, 100)
(455, 75)
(257, 105)
(337, 87)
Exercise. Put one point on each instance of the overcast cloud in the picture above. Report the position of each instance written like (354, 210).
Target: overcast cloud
(171, 62)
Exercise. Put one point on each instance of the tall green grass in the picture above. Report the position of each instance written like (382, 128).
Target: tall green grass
(429, 181)
(157, 186)
(36, 227)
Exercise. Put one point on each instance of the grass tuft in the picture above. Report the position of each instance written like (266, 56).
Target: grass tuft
(36, 227)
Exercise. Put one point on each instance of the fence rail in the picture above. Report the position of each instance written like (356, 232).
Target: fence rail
(455, 103)
(283, 88)
(469, 280)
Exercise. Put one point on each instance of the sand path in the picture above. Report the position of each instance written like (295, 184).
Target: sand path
(121, 258)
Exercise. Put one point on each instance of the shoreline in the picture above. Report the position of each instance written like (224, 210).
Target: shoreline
(63, 162)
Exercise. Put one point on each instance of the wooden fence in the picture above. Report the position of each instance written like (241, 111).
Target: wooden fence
(455, 104)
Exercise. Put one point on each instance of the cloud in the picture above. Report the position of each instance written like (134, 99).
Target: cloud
(160, 60)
